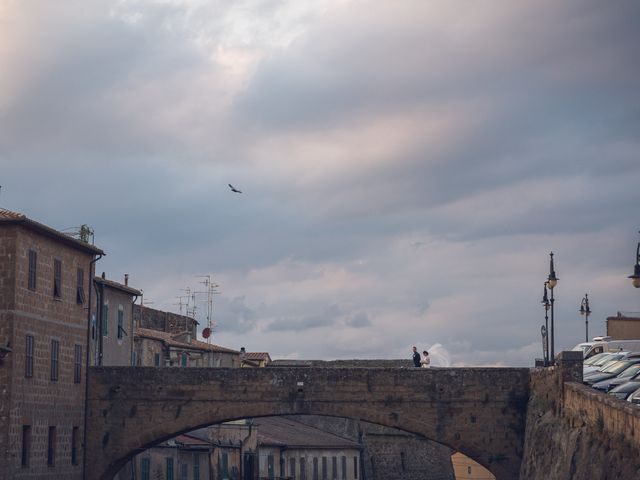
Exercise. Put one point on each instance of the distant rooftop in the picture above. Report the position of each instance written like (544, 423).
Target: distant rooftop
(169, 339)
(281, 431)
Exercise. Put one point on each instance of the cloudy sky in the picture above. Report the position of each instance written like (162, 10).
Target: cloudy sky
(406, 166)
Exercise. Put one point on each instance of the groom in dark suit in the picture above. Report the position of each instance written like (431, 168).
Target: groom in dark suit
(416, 358)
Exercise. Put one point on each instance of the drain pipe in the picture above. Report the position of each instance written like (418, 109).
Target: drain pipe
(87, 363)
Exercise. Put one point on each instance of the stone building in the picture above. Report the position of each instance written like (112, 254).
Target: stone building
(153, 319)
(112, 330)
(251, 359)
(153, 348)
(185, 457)
(624, 326)
(290, 449)
(44, 313)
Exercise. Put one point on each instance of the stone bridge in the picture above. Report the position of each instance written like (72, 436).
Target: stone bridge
(480, 412)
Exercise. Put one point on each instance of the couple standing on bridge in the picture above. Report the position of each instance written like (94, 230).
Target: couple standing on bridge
(424, 362)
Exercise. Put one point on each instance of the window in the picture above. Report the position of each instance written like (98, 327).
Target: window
(224, 468)
(315, 469)
(26, 444)
(55, 351)
(355, 467)
(74, 445)
(156, 359)
(184, 471)
(169, 464)
(292, 467)
(33, 261)
(184, 360)
(80, 287)
(343, 462)
(105, 319)
(120, 322)
(196, 466)
(77, 364)
(325, 470)
(57, 278)
(334, 468)
(145, 468)
(51, 447)
(270, 467)
(93, 326)
(28, 356)
(303, 468)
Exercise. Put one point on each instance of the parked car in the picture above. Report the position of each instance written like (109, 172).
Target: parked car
(601, 363)
(634, 397)
(629, 374)
(626, 389)
(611, 371)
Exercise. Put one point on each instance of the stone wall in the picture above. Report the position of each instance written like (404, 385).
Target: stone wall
(146, 317)
(574, 432)
(477, 411)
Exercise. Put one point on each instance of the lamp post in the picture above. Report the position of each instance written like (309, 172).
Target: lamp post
(635, 278)
(552, 281)
(584, 310)
(545, 330)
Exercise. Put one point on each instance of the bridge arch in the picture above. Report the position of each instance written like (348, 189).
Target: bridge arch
(480, 412)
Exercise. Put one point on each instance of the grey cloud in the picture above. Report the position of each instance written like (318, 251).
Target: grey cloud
(233, 315)
(326, 318)
(359, 320)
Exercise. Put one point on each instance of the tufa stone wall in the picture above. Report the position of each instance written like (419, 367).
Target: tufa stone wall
(574, 432)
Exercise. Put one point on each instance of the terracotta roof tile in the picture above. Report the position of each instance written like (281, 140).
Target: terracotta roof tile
(257, 356)
(169, 340)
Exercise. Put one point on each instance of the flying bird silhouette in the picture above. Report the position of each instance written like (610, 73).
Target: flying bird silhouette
(233, 189)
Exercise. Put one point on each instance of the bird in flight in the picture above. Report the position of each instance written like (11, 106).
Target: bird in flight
(233, 189)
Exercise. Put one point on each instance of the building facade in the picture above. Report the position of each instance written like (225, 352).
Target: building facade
(112, 330)
(624, 326)
(44, 306)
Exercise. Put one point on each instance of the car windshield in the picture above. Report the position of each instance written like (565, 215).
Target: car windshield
(620, 366)
(630, 372)
(595, 358)
(581, 347)
(608, 360)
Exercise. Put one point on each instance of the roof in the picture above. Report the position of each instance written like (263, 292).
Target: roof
(168, 339)
(186, 439)
(7, 217)
(257, 356)
(117, 286)
(280, 431)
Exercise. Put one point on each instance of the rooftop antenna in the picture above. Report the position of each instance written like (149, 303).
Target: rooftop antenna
(210, 291)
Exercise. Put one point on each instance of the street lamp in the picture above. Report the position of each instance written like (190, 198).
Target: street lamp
(552, 281)
(545, 329)
(635, 278)
(584, 310)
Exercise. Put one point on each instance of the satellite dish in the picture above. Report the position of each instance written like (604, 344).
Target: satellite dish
(206, 333)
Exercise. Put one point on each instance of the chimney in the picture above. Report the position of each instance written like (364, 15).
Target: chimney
(243, 352)
(126, 279)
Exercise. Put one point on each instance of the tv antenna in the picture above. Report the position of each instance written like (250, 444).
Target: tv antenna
(211, 290)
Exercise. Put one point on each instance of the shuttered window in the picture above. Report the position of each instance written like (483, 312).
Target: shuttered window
(57, 278)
